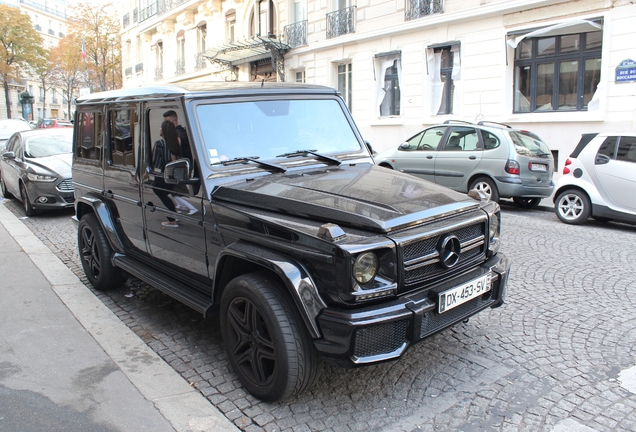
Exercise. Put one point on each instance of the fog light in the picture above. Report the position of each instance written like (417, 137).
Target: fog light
(42, 200)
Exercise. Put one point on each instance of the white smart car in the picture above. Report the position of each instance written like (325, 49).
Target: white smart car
(599, 180)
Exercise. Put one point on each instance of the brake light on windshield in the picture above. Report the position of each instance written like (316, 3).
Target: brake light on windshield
(566, 170)
(512, 167)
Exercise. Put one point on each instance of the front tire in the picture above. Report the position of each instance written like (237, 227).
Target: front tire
(95, 253)
(26, 203)
(527, 203)
(487, 187)
(265, 338)
(573, 207)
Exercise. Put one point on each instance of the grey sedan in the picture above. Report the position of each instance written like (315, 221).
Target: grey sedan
(35, 167)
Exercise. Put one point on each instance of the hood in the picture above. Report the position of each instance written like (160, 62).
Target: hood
(364, 196)
(58, 164)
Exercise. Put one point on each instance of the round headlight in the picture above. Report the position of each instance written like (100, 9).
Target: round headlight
(365, 267)
(494, 226)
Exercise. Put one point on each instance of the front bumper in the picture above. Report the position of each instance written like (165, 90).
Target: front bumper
(510, 187)
(385, 331)
(38, 192)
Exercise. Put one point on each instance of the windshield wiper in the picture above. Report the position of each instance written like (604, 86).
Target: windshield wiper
(240, 160)
(311, 152)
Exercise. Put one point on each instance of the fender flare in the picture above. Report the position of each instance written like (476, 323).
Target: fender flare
(295, 278)
(104, 216)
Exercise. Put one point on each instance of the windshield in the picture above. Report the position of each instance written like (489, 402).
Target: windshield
(528, 144)
(48, 145)
(268, 129)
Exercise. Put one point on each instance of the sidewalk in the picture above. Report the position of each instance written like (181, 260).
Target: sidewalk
(68, 363)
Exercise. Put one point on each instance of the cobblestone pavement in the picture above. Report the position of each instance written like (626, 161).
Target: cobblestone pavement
(549, 360)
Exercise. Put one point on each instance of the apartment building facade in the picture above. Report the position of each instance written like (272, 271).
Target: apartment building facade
(558, 68)
(50, 20)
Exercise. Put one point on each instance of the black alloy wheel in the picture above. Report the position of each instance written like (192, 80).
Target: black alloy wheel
(26, 203)
(527, 203)
(265, 339)
(95, 253)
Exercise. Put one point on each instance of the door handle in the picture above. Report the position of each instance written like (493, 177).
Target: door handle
(472, 157)
(429, 157)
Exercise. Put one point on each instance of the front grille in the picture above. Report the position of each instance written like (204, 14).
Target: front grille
(433, 322)
(65, 185)
(380, 339)
(421, 258)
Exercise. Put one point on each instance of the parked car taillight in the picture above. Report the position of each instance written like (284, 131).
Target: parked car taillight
(512, 167)
(566, 170)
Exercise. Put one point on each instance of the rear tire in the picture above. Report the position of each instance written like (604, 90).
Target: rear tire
(266, 341)
(573, 207)
(527, 203)
(95, 254)
(3, 188)
(26, 203)
(487, 187)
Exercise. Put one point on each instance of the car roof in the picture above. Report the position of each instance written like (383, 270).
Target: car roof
(50, 131)
(202, 89)
(483, 124)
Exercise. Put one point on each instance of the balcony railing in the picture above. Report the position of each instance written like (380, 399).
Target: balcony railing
(38, 27)
(60, 34)
(296, 34)
(179, 67)
(415, 9)
(139, 67)
(43, 8)
(158, 73)
(201, 62)
(164, 6)
(135, 15)
(341, 22)
(148, 12)
(51, 32)
(128, 71)
(126, 22)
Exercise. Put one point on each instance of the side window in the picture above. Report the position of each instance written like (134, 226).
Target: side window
(18, 151)
(627, 149)
(124, 136)
(490, 140)
(608, 147)
(431, 138)
(89, 144)
(11, 144)
(462, 139)
(412, 142)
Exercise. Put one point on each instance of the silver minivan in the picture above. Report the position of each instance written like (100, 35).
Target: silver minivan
(493, 158)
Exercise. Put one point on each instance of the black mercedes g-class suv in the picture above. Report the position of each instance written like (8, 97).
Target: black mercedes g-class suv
(275, 216)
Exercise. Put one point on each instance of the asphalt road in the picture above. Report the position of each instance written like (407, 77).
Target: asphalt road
(556, 357)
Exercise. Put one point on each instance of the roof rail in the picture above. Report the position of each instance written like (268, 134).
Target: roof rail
(481, 123)
(457, 121)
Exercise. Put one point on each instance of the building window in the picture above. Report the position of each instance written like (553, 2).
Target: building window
(557, 73)
(230, 24)
(180, 62)
(445, 63)
(390, 69)
(345, 83)
(263, 22)
(202, 35)
(300, 76)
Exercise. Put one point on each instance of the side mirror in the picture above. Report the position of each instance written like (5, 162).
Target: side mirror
(9, 155)
(405, 146)
(368, 144)
(178, 173)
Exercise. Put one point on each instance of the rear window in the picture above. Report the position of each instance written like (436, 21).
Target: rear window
(585, 140)
(528, 144)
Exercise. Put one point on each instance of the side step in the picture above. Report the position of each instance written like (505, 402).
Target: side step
(169, 285)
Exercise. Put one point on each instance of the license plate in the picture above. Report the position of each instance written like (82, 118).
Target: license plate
(539, 167)
(454, 297)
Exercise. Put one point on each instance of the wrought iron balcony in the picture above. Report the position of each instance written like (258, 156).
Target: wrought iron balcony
(135, 15)
(164, 6)
(128, 71)
(38, 27)
(139, 67)
(415, 9)
(341, 22)
(126, 22)
(158, 73)
(148, 12)
(179, 67)
(51, 32)
(201, 62)
(296, 34)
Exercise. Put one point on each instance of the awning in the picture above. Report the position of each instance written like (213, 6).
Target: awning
(570, 26)
(247, 51)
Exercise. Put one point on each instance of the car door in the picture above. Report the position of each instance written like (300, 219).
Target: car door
(417, 155)
(458, 158)
(121, 183)
(183, 244)
(12, 167)
(618, 175)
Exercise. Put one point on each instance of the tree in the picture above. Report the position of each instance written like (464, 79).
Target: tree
(68, 70)
(98, 26)
(42, 69)
(20, 48)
